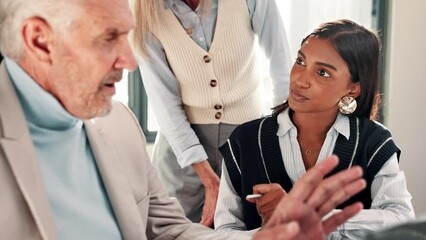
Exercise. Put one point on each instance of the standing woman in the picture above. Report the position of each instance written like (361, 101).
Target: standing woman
(200, 67)
(332, 102)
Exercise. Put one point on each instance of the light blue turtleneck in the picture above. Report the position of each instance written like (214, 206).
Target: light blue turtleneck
(77, 197)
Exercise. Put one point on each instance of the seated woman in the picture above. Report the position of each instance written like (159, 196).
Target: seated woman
(330, 110)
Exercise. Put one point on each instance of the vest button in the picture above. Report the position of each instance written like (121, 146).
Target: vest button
(213, 83)
(189, 31)
(217, 106)
(207, 59)
(218, 115)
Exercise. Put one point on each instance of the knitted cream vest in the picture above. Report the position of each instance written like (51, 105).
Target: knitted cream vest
(222, 85)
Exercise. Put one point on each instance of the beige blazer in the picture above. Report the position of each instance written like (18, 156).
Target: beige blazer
(141, 205)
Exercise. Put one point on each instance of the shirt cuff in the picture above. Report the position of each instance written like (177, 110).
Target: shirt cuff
(191, 155)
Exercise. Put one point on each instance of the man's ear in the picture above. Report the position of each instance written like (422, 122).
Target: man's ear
(38, 38)
(355, 90)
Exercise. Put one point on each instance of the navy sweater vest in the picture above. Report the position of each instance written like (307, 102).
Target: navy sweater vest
(252, 156)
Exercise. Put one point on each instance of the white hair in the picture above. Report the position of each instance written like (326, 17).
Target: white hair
(59, 14)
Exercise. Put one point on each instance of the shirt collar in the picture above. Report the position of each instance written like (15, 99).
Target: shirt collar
(40, 107)
(179, 7)
(284, 122)
(341, 125)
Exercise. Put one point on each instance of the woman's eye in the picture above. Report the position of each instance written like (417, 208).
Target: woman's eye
(299, 62)
(323, 73)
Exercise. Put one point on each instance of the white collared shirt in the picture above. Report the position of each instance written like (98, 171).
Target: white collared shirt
(391, 200)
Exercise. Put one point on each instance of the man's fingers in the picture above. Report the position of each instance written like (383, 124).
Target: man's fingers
(309, 181)
(341, 196)
(289, 209)
(337, 219)
(331, 188)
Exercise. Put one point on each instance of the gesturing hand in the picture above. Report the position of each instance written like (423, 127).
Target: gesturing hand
(311, 198)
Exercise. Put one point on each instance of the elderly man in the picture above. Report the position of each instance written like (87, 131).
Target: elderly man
(73, 164)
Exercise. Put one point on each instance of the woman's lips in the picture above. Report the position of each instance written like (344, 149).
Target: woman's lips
(297, 96)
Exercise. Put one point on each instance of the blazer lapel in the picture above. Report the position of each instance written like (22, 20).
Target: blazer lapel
(17, 145)
(115, 182)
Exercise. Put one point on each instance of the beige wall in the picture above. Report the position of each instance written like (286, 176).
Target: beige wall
(405, 108)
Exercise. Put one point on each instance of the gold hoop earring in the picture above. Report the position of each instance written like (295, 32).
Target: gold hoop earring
(347, 105)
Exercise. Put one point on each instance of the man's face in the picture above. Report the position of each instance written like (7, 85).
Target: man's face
(90, 59)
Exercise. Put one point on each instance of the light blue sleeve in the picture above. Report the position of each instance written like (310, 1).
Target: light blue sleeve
(164, 96)
(268, 26)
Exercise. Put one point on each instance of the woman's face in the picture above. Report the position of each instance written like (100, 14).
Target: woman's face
(319, 78)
